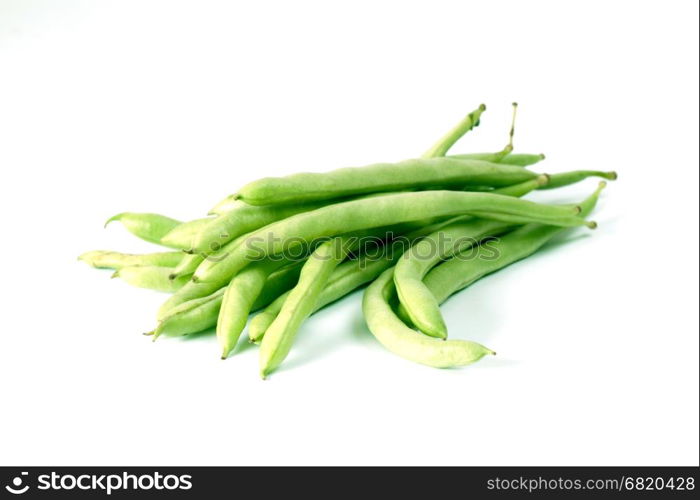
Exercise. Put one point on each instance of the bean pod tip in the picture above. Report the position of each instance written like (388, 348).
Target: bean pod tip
(114, 218)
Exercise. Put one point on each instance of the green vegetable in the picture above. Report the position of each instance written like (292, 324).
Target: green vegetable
(106, 259)
(149, 227)
(299, 304)
(153, 277)
(239, 299)
(426, 173)
(294, 244)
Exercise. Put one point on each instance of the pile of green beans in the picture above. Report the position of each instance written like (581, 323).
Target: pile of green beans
(416, 231)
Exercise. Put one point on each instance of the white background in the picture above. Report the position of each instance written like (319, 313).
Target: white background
(169, 106)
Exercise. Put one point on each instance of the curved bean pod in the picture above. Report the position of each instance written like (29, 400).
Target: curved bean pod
(443, 243)
(354, 215)
(393, 334)
(457, 273)
(151, 277)
(106, 259)
(147, 226)
(425, 254)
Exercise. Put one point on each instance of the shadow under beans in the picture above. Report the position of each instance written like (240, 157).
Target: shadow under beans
(562, 240)
(475, 313)
(497, 362)
(321, 334)
(198, 336)
(359, 330)
(209, 335)
(243, 344)
(305, 354)
(472, 315)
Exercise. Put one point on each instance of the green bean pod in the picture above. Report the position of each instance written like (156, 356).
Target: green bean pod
(398, 338)
(425, 173)
(566, 178)
(354, 215)
(517, 160)
(299, 304)
(445, 243)
(106, 259)
(441, 147)
(151, 277)
(555, 181)
(147, 226)
(239, 299)
(182, 236)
